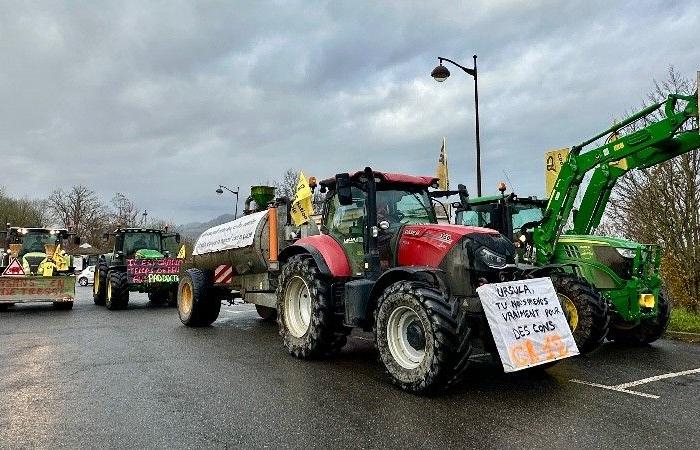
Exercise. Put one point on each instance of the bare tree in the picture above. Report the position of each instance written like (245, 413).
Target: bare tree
(125, 210)
(661, 205)
(286, 186)
(81, 210)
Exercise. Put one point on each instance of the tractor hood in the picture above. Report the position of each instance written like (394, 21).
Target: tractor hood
(427, 245)
(148, 254)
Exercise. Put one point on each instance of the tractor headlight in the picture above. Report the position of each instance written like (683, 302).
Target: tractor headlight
(626, 252)
(491, 259)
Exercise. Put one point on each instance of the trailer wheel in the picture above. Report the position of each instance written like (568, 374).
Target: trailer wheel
(266, 313)
(648, 330)
(99, 285)
(585, 310)
(63, 306)
(196, 304)
(416, 336)
(117, 291)
(305, 311)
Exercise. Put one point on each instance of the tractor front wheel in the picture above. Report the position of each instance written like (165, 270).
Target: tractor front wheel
(305, 311)
(416, 336)
(117, 291)
(196, 304)
(99, 285)
(585, 310)
(648, 330)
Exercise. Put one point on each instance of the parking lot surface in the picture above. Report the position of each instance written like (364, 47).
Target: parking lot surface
(138, 378)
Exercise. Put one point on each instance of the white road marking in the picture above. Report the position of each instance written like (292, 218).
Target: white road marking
(624, 387)
(614, 388)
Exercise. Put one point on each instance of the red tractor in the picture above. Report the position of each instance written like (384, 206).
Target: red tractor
(382, 263)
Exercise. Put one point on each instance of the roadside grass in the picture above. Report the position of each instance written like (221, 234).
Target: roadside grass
(684, 320)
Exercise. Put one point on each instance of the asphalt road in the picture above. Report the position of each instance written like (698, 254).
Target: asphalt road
(138, 378)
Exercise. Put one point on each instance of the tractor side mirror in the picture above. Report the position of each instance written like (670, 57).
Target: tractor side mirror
(177, 237)
(463, 195)
(344, 189)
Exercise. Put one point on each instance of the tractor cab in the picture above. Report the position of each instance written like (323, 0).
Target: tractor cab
(398, 200)
(143, 243)
(31, 245)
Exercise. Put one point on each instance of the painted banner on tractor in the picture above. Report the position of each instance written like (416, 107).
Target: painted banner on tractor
(36, 288)
(238, 233)
(139, 271)
(527, 323)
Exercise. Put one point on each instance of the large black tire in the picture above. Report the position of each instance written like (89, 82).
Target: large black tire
(117, 291)
(64, 306)
(5, 306)
(585, 309)
(99, 285)
(197, 304)
(648, 330)
(266, 313)
(310, 330)
(416, 336)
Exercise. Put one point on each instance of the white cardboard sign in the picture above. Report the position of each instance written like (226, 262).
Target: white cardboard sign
(527, 323)
(238, 233)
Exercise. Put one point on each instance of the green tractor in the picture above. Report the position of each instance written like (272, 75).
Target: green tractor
(142, 260)
(625, 272)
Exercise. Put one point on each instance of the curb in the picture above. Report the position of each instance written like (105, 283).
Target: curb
(683, 336)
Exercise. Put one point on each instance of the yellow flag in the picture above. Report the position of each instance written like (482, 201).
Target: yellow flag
(302, 206)
(442, 174)
(554, 159)
(181, 254)
(59, 260)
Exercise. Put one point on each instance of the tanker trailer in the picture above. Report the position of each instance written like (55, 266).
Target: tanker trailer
(238, 260)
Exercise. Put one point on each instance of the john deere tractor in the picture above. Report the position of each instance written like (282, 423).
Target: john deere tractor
(625, 272)
(142, 260)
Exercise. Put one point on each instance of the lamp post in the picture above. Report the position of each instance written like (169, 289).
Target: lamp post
(220, 191)
(440, 73)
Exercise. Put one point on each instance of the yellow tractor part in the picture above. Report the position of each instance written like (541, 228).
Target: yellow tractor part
(647, 300)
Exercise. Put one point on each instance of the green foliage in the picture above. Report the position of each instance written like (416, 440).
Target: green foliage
(684, 320)
(21, 212)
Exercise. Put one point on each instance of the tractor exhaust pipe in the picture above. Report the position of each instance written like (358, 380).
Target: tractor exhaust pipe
(372, 266)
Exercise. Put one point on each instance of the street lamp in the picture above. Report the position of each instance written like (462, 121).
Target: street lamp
(220, 191)
(440, 73)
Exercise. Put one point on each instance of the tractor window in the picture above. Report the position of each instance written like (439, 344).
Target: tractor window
(478, 216)
(35, 241)
(141, 241)
(171, 245)
(404, 208)
(523, 214)
(346, 221)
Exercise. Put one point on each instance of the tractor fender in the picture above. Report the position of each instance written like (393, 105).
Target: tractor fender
(431, 275)
(328, 254)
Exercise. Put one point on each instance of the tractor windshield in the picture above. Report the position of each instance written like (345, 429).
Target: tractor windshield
(488, 215)
(141, 241)
(34, 241)
(400, 207)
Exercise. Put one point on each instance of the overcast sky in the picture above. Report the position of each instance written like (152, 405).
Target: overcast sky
(165, 100)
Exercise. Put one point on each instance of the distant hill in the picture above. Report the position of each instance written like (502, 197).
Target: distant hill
(193, 229)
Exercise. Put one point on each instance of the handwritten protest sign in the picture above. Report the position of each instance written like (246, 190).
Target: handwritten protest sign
(139, 271)
(238, 233)
(527, 323)
(36, 288)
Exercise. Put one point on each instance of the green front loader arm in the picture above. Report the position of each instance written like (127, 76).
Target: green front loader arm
(643, 148)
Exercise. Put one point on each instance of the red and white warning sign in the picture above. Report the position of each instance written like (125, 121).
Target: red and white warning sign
(223, 274)
(14, 269)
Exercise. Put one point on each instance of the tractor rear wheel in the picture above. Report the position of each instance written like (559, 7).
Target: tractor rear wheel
(585, 310)
(648, 330)
(117, 291)
(305, 311)
(416, 336)
(266, 313)
(99, 285)
(196, 304)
